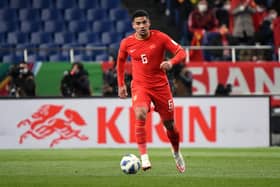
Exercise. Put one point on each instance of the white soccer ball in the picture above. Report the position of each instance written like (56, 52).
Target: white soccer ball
(130, 164)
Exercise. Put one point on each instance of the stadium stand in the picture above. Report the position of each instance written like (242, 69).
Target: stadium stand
(78, 26)
(48, 49)
(36, 58)
(116, 14)
(51, 14)
(11, 58)
(65, 4)
(74, 17)
(38, 38)
(2, 37)
(19, 4)
(108, 4)
(88, 38)
(29, 14)
(110, 37)
(62, 38)
(17, 38)
(32, 49)
(8, 14)
(95, 14)
(54, 26)
(88, 4)
(30, 26)
(5, 49)
(42, 4)
(59, 57)
(123, 26)
(73, 14)
(3, 3)
(47, 23)
(104, 25)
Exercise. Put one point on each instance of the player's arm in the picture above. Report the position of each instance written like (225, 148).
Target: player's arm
(178, 52)
(122, 55)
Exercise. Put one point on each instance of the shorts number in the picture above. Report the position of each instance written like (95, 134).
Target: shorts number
(170, 105)
(144, 59)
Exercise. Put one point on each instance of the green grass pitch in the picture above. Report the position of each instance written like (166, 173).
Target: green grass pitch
(256, 167)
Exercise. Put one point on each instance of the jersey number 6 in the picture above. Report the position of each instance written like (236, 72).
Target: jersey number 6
(144, 59)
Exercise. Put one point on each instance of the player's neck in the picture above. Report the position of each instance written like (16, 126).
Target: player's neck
(141, 37)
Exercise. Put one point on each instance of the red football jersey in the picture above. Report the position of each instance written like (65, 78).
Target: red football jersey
(146, 57)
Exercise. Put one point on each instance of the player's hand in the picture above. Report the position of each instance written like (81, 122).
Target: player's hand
(165, 66)
(122, 91)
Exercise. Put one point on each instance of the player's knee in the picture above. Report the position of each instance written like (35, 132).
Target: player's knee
(141, 113)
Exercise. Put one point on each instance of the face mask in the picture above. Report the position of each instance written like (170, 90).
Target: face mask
(23, 70)
(272, 16)
(202, 7)
(227, 6)
(259, 9)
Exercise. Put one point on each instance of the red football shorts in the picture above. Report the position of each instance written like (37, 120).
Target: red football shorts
(161, 97)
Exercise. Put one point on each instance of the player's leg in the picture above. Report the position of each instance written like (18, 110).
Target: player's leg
(140, 114)
(141, 102)
(164, 106)
(172, 134)
(174, 138)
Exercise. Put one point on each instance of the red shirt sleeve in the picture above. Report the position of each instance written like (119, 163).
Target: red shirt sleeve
(178, 52)
(122, 55)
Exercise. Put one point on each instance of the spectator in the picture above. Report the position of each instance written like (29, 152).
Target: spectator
(182, 80)
(22, 81)
(178, 11)
(201, 20)
(224, 36)
(264, 36)
(110, 84)
(259, 15)
(223, 15)
(75, 82)
(243, 27)
(276, 31)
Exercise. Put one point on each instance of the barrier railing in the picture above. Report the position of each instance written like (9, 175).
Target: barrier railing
(233, 50)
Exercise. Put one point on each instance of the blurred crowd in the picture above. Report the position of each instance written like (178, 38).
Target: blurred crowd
(227, 23)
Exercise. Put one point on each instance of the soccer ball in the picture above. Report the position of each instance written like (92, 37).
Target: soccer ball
(130, 164)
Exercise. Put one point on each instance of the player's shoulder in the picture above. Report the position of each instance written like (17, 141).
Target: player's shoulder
(157, 34)
(130, 37)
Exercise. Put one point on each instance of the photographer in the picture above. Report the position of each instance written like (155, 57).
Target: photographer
(181, 80)
(75, 82)
(110, 84)
(22, 81)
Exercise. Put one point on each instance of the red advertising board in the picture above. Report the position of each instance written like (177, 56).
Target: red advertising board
(246, 78)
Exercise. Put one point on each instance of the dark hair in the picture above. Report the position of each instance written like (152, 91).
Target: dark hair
(140, 13)
(79, 64)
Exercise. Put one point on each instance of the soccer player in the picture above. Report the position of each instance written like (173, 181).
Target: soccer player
(146, 49)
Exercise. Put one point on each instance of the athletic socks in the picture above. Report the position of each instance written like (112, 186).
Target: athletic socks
(141, 136)
(173, 136)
